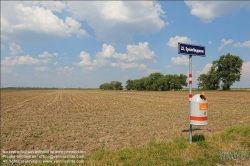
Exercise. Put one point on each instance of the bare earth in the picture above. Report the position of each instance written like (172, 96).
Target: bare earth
(90, 120)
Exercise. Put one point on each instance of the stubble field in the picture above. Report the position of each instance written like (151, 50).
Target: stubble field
(91, 120)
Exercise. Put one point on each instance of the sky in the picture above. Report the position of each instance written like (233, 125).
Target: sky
(82, 44)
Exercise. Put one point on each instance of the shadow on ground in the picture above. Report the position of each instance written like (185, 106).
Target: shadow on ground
(197, 138)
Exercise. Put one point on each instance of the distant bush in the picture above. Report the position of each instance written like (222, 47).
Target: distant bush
(113, 85)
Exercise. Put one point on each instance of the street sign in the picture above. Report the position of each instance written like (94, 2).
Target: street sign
(190, 49)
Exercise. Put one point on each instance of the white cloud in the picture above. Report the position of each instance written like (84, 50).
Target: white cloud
(74, 27)
(15, 49)
(183, 60)
(57, 6)
(245, 79)
(118, 21)
(108, 51)
(86, 59)
(29, 21)
(206, 11)
(45, 54)
(204, 70)
(56, 63)
(42, 68)
(173, 41)
(5, 70)
(65, 70)
(245, 44)
(88, 63)
(140, 51)
(135, 53)
(2, 47)
(246, 69)
(22, 60)
(130, 65)
(210, 42)
(225, 42)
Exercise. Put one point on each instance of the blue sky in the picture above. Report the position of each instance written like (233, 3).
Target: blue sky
(84, 44)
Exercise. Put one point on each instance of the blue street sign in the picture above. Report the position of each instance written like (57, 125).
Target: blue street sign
(190, 49)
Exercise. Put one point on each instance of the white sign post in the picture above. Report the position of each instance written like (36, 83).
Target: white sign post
(191, 50)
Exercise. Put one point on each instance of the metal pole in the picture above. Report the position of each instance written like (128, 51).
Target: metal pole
(190, 95)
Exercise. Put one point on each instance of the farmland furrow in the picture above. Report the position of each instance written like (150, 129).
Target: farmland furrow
(91, 120)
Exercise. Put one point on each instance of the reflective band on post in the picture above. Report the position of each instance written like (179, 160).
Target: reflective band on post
(190, 84)
(198, 118)
(190, 97)
(190, 78)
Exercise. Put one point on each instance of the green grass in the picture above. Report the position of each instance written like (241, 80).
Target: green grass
(203, 151)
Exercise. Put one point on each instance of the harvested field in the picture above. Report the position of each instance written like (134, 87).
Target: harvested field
(91, 120)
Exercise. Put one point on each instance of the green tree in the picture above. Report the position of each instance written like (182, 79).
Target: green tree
(118, 85)
(228, 68)
(154, 80)
(105, 86)
(130, 85)
(203, 82)
(176, 82)
(113, 85)
(209, 81)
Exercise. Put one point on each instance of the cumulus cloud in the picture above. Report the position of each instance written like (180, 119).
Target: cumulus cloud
(65, 70)
(206, 11)
(132, 59)
(245, 44)
(5, 70)
(130, 65)
(205, 69)
(118, 21)
(140, 51)
(183, 60)
(22, 60)
(57, 6)
(245, 79)
(42, 68)
(87, 62)
(134, 52)
(45, 54)
(210, 42)
(173, 41)
(85, 59)
(15, 49)
(17, 58)
(30, 21)
(225, 42)
(246, 69)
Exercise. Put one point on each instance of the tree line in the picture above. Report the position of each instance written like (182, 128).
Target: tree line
(158, 82)
(223, 72)
(153, 82)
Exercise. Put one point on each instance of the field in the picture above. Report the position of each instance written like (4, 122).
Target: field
(94, 120)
